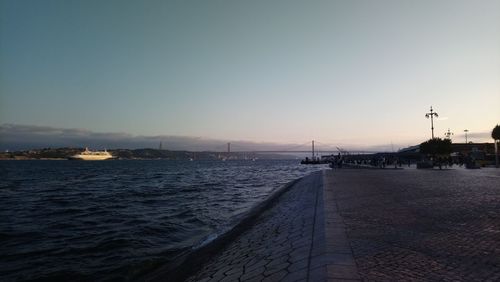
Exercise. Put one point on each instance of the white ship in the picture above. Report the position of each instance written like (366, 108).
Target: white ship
(88, 155)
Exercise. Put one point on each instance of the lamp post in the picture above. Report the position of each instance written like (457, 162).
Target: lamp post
(466, 130)
(313, 157)
(448, 134)
(431, 115)
(496, 153)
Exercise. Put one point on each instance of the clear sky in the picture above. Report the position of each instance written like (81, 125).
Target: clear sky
(341, 72)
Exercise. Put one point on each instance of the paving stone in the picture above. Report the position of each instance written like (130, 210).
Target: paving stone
(295, 276)
(276, 268)
(279, 244)
(318, 274)
(299, 265)
(342, 280)
(336, 247)
(342, 259)
(206, 279)
(254, 272)
(234, 270)
(299, 254)
(337, 271)
(277, 262)
(220, 272)
(216, 278)
(421, 225)
(277, 276)
(256, 278)
(231, 278)
(259, 264)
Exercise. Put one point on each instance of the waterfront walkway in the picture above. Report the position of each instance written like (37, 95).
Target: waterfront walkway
(372, 225)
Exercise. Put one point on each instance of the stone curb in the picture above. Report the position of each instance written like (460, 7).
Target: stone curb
(336, 261)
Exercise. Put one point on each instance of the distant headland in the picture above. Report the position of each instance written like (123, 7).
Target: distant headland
(137, 154)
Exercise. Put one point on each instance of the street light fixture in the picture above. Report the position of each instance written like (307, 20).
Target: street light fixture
(448, 134)
(431, 115)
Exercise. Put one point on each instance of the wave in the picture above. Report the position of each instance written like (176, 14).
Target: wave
(81, 220)
(191, 260)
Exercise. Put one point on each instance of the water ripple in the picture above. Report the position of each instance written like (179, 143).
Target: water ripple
(107, 220)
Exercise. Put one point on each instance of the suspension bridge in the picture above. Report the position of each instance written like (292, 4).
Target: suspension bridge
(313, 147)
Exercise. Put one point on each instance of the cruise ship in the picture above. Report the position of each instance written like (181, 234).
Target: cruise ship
(88, 155)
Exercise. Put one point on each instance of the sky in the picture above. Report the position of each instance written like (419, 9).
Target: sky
(350, 73)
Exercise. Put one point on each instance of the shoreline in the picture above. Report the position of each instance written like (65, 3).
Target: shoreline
(300, 238)
(215, 204)
(186, 263)
(369, 224)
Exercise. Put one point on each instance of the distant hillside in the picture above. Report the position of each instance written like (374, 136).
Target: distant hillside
(64, 153)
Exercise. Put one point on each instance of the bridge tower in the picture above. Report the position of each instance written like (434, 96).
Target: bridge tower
(313, 157)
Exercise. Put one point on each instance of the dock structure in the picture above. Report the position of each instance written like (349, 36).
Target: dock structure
(369, 225)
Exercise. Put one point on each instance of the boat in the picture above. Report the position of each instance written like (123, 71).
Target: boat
(88, 155)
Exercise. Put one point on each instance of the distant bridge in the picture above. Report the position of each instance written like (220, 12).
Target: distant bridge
(303, 152)
(245, 148)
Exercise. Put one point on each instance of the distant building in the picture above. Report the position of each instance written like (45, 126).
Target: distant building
(468, 148)
(460, 148)
(409, 150)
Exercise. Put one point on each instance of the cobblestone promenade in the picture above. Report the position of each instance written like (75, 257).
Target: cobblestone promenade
(372, 225)
(422, 224)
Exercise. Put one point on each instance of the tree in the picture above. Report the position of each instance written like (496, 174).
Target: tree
(495, 134)
(436, 147)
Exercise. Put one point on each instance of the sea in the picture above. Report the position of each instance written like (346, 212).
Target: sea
(116, 219)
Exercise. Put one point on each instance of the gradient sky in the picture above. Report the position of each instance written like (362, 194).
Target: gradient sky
(360, 72)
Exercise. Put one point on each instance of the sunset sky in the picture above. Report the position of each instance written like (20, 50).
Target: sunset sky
(341, 72)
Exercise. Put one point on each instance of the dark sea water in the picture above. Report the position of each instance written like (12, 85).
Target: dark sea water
(113, 219)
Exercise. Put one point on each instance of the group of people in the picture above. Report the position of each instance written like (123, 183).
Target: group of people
(340, 161)
(382, 162)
